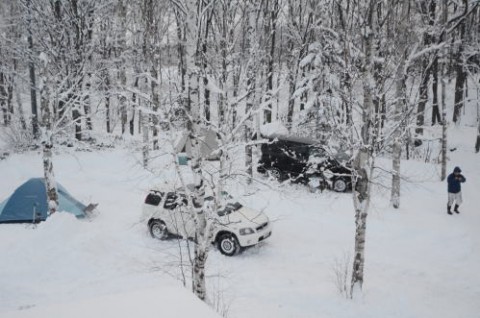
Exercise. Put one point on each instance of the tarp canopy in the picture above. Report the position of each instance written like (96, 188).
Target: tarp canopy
(208, 144)
(29, 203)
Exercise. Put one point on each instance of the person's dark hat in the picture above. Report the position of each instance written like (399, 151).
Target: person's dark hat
(457, 169)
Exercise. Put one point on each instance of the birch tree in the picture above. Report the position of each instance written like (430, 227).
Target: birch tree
(400, 102)
(193, 18)
(364, 160)
(252, 51)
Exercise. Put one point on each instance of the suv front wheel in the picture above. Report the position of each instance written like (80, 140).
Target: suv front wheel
(275, 173)
(158, 229)
(339, 185)
(228, 244)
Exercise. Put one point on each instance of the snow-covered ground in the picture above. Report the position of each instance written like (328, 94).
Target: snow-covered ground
(420, 262)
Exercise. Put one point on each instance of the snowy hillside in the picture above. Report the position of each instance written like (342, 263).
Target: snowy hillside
(420, 262)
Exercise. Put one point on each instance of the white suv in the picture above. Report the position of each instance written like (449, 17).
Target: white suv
(235, 226)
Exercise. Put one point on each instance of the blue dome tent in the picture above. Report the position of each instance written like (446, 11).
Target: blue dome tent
(29, 203)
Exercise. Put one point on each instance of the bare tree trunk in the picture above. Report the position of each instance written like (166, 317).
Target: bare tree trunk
(50, 183)
(31, 71)
(122, 13)
(107, 103)
(436, 117)
(3, 97)
(87, 107)
(206, 89)
(292, 75)
(461, 76)
(47, 140)
(361, 201)
(400, 103)
(201, 246)
(155, 105)
(444, 132)
(477, 143)
(427, 9)
(236, 83)
(271, 32)
(251, 85)
(134, 106)
(77, 119)
(434, 71)
(444, 104)
(345, 80)
(182, 69)
(292, 70)
(363, 163)
(10, 107)
(145, 147)
(19, 100)
(423, 98)
(104, 72)
(397, 136)
(192, 20)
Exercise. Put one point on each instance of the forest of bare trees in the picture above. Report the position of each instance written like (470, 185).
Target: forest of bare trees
(375, 72)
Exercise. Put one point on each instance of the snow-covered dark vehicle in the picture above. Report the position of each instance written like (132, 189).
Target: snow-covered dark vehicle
(304, 160)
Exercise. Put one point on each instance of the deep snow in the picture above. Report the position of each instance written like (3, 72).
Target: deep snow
(420, 262)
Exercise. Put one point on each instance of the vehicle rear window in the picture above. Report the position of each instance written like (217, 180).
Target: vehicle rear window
(173, 200)
(153, 199)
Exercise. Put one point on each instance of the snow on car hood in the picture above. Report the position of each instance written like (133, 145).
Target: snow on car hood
(245, 217)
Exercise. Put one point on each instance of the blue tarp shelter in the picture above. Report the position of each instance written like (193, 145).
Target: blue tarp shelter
(29, 203)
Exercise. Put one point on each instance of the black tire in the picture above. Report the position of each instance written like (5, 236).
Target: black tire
(339, 185)
(158, 229)
(228, 244)
(275, 173)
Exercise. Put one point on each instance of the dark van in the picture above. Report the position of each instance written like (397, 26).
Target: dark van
(303, 159)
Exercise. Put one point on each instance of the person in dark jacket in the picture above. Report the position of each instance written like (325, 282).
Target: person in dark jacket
(455, 181)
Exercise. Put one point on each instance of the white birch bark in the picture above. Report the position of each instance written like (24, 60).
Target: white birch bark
(192, 21)
(47, 141)
(122, 13)
(397, 146)
(50, 183)
(201, 244)
(363, 163)
(145, 146)
(250, 87)
(399, 108)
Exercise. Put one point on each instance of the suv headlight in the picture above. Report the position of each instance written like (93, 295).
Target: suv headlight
(246, 231)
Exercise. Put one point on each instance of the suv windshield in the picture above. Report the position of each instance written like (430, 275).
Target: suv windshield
(231, 207)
